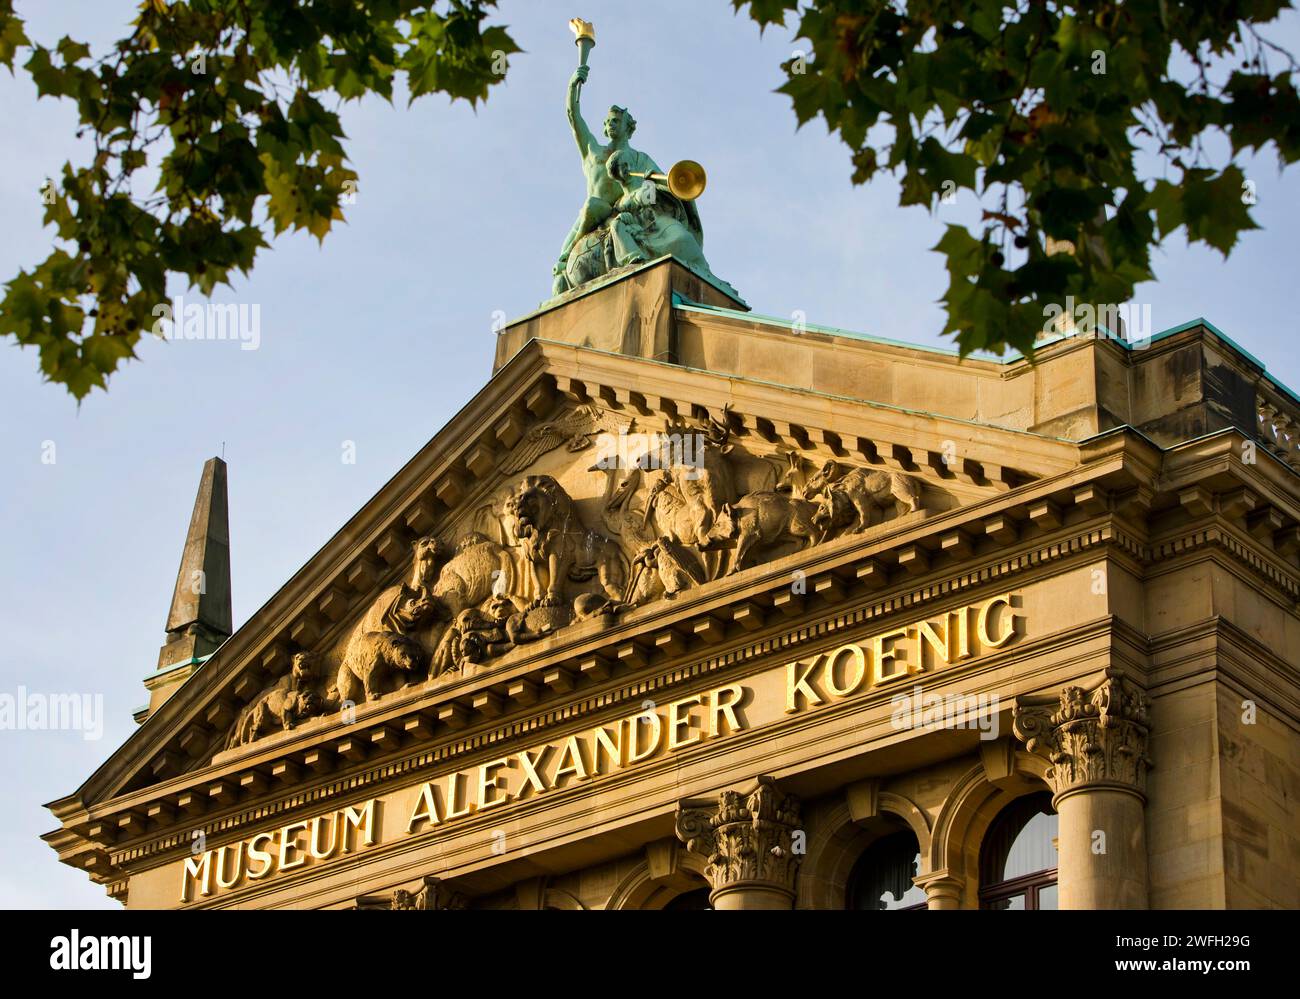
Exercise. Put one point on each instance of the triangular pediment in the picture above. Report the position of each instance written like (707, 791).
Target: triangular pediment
(541, 508)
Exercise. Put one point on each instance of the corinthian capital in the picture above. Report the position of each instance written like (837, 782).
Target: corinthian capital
(745, 839)
(1091, 738)
(433, 894)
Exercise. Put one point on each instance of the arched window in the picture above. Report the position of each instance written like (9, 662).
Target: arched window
(1018, 856)
(689, 901)
(882, 876)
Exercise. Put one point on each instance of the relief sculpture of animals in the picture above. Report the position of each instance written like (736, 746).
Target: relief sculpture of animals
(693, 463)
(557, 547)
(848, 499)
(380, 647)
(282, 705)
(478, 569)
(372, 661)
(766, 518)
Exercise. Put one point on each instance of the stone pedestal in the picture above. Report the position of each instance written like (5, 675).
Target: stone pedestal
(748, 843)
(630, 313)
(1096, 743)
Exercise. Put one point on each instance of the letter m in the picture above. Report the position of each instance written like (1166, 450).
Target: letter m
(363, 821)
(197, 869)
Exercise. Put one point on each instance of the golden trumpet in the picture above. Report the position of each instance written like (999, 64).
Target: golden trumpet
(686, 179)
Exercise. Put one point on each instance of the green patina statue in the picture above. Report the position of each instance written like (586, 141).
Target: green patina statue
(630, 215)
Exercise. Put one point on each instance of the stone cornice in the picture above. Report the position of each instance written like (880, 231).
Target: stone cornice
(388, 722)
(1216, 650)
(1281, 577)
(1217, 459)
(805, 416)
(371, 548)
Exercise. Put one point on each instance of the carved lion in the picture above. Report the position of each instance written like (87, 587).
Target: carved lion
(557, 547)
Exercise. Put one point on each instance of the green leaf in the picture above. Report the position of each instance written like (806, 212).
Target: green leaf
(1215, 208)
(12, 36)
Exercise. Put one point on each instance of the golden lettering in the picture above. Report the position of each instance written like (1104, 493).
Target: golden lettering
(859, 674)
(986, 613)
(426, 808)
(288, 844)
(222, 880)
(634, 753)
(677, 721)
(961, 619)
(314, 847)
(197, 869)
(363, 821)
(489, 784)
(453, 796)
(260, 856)
(611, 746)
(720, 708)
(529, 766)
(257, 853)
(577, 766)
(941, 645)
(797, 683)
(884, 653)
(580, 756)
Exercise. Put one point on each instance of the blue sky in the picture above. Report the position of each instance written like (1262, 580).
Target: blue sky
(381, 334)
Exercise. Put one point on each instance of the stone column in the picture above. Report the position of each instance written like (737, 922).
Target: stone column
(1096, 743)
(747, 842)
(942, 891)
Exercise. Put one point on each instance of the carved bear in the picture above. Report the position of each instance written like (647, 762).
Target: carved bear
(371, 660)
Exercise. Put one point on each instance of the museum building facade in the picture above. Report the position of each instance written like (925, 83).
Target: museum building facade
(692, 608)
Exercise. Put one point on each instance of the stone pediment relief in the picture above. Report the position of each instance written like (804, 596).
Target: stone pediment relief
(590, 514)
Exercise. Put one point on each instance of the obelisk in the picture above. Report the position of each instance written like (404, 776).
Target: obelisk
(199, 619)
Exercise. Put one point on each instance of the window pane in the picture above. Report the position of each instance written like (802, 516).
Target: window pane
(1022, 840)
(882, 877)
(1047, 897)
(1014, 902)
(1034, 849)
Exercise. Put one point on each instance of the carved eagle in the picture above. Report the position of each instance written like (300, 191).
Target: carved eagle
(575, 429)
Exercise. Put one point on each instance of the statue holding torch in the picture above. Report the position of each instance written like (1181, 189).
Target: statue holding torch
(632, 212)
(603, 190)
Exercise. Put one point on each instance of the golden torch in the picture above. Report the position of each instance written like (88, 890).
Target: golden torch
(584, 33)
